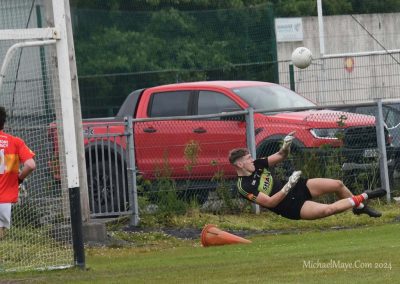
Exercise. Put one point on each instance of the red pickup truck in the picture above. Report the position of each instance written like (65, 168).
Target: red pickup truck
(165, 141)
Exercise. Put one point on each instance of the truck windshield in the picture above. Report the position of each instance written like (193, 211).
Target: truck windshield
(271, 98)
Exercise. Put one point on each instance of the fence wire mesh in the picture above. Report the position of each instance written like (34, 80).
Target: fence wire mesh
(329, 143)
(176, 41)
(168, 45)
(250, 52)
(182, 163)
(346, 79)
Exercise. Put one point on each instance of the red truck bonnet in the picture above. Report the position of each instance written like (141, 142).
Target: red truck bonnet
(325, 118)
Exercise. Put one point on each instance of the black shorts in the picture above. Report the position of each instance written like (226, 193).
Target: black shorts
(291, 205)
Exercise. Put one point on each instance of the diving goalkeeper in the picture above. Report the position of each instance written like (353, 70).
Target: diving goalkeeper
(294, 200)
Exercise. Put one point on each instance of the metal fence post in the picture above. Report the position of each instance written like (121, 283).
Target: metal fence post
(291, 77)
(383, 165)
(131, 171)
(251, 142)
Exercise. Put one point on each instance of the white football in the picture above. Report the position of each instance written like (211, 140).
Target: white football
(301, 57)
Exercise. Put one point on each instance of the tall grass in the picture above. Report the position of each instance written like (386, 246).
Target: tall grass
(32, 248)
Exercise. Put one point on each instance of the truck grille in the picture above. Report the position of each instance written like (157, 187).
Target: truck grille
(362, 137)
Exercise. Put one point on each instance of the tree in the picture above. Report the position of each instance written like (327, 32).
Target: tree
(122, 45)
(169, 45)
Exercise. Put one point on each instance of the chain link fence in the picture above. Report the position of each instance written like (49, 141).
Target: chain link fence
(126, 50)
(182, 162)
(346, 79)
(120, 51)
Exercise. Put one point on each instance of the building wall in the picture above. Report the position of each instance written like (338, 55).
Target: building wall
(327, 80)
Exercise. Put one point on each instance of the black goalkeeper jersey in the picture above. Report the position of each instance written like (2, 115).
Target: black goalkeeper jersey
(261, 180)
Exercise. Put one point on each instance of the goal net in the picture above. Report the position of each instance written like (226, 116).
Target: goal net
(40, 236)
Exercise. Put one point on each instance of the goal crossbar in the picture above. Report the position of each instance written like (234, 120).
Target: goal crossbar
(29, 34)
(13, 49)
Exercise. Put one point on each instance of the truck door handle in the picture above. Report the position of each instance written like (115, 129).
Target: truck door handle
(199, 130)
(150, 130)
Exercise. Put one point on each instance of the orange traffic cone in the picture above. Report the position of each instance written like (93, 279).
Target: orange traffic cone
(212, 236)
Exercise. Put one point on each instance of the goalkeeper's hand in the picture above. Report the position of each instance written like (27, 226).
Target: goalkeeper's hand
(293, 179)
(287, 142)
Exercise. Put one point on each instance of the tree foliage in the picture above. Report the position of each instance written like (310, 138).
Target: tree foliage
(169, 45)
(129, 44)
(153, 5)
(297, 8)
(282, 7)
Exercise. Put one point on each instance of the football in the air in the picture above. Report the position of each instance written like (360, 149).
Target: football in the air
(301, 57)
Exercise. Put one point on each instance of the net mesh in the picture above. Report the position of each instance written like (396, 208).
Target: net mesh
(40, 233)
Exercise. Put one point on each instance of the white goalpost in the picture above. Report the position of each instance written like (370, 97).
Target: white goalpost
(36, 90)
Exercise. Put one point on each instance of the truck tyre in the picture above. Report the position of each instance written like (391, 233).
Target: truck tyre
(106, 188)
(266, 149)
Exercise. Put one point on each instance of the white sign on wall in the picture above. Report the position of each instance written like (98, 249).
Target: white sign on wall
(288, 29)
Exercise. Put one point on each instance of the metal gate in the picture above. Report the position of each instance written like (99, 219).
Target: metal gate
(107, 161)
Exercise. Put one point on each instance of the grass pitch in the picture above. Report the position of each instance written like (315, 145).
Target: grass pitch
(362, 255)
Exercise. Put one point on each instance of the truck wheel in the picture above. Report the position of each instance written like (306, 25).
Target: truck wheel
(266, 149)
(105, 186)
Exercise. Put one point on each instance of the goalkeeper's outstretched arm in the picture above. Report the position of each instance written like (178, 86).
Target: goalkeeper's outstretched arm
(283, 153)
(272, 201)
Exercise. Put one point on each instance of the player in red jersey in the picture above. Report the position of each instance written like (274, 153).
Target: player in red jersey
(13, 154)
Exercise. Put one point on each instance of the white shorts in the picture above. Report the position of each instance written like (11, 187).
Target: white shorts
(5, 215)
